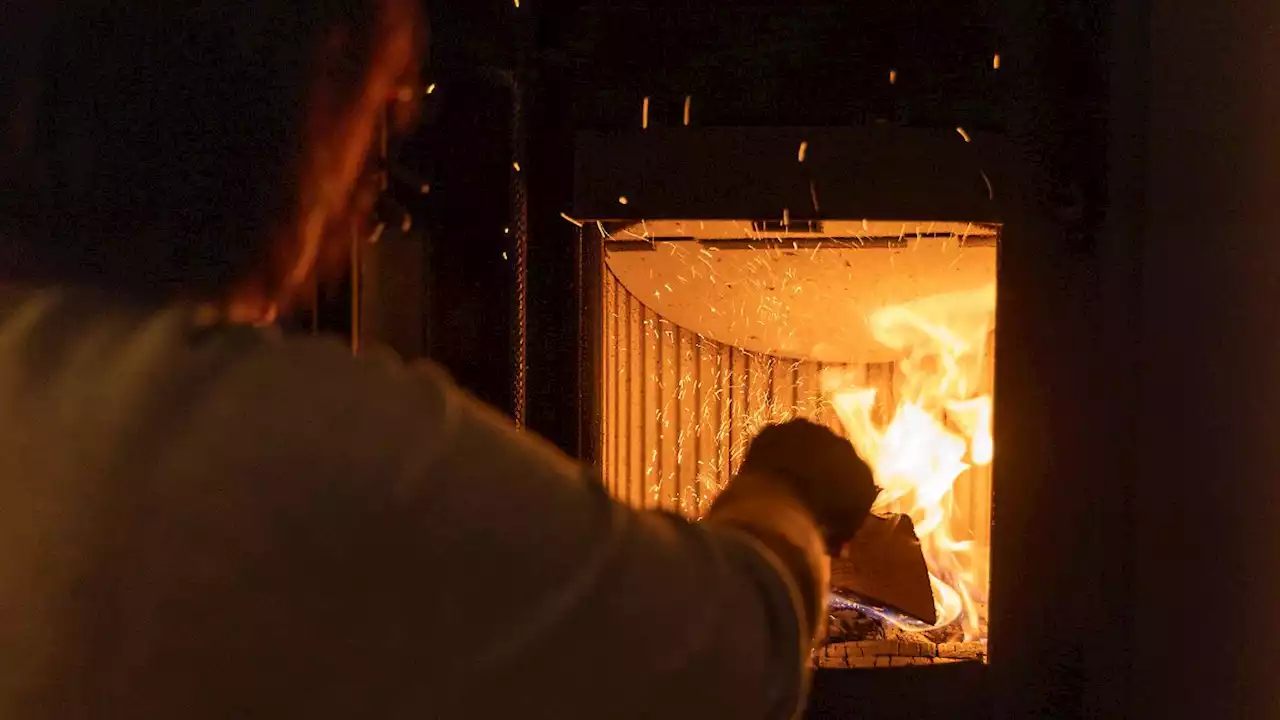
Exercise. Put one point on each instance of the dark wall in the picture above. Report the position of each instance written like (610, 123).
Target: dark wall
(467, 151)
(1058, 501)
(1207, 499)
(787, 63)
(1169, 464)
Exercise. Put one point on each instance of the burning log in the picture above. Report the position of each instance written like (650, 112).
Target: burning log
(884, 564)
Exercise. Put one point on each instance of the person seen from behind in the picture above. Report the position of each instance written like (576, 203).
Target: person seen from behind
(202, 519)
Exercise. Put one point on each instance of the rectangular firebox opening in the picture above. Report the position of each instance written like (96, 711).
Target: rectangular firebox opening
(882, 330)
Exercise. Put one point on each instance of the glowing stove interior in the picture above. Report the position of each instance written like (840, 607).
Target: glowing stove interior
(884, 331)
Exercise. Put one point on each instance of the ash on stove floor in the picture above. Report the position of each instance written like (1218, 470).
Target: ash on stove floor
(855, 640)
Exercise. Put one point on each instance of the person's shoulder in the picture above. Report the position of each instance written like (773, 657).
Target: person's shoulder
(310, 404)
(312, 371)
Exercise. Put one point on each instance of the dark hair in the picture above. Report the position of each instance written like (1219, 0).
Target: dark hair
(155, 148)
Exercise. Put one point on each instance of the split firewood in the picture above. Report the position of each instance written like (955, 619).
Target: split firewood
(884, 565)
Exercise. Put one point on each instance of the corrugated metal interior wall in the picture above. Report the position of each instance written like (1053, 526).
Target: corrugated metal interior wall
(679, 408)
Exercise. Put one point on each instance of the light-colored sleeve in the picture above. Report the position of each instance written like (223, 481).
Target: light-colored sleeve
(491, 576)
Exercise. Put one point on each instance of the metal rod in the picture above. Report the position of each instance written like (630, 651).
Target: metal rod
(723, 389)
(732, 416)
(795, 386)
(612, 372)
(644, 404)
(771, 393)
(679, 469)
(660, 406)
(807, 243)
(700, 410)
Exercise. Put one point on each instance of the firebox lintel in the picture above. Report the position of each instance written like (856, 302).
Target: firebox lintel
(878, 172)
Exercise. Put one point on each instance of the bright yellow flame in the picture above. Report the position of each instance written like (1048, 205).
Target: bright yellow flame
(974, 419)
(937, 437)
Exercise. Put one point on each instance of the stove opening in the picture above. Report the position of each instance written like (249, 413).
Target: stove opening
(884, 331)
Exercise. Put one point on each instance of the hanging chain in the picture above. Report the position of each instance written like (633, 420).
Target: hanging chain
(520, 231)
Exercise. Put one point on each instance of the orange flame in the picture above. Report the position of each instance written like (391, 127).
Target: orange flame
(937, 438)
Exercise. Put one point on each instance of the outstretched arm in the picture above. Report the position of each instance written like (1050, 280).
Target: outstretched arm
(491, 575)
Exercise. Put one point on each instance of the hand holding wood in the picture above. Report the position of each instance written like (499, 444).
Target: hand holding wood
(822, 470)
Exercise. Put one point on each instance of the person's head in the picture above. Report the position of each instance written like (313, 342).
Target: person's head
(195, 149)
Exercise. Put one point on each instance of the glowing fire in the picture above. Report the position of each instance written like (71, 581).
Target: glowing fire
(937, 435)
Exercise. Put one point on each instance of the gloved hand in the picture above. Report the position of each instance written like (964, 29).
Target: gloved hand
(821, 470)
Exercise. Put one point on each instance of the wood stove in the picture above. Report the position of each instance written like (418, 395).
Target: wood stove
(733, 277)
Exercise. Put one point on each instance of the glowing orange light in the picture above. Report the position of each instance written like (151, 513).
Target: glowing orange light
(939, 433)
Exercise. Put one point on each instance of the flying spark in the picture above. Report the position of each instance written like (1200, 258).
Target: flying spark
(963, 134)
